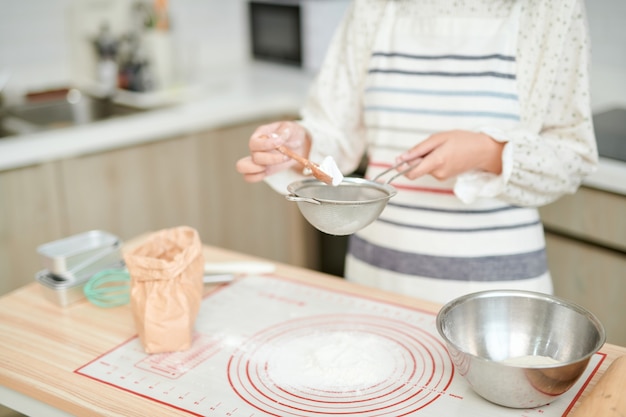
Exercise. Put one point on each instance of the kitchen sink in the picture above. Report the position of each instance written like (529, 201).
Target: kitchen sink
(73, 109)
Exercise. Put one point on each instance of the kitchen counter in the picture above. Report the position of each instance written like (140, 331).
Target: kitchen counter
(43, 345)
(260, 91)
(610, 176)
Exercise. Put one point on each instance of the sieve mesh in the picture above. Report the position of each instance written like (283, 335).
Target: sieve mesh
(343, 209)
(344, 193)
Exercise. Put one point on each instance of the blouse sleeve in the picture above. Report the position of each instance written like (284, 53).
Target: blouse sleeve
(332, 113)
(554, 148)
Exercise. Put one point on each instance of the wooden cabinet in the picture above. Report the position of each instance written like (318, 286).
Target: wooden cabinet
(30, 214)
(591, 215)
(592, 277)
(586, 243)
(133, 190)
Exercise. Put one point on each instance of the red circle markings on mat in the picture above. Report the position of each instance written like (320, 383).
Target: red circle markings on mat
(419, 373)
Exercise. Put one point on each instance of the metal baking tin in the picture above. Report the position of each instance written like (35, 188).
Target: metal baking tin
(75, 255)
(65, 292)
(70, 262)
(58, 290)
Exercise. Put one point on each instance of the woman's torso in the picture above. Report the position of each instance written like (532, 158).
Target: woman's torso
(430, 73)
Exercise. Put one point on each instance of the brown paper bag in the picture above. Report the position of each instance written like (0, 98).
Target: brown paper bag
(166, 288)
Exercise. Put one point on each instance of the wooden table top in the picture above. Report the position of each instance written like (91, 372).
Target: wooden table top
(42, 344)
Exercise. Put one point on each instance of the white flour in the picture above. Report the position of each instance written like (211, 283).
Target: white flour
(329, 166)
(337, 361)
(530, 360)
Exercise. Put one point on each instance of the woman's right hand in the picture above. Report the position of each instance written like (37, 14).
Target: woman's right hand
(264, 159)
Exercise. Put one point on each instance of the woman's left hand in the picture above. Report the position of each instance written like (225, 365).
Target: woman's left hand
(448, 154)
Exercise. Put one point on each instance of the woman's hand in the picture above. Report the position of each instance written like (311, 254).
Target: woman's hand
(264, 159)
(448, 154)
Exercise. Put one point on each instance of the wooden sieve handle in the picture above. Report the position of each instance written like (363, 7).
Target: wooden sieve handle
(315, 169)
(606, 398)
(300, 159)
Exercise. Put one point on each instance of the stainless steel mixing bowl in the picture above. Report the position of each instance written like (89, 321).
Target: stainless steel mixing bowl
(517, 348)
(342, 209)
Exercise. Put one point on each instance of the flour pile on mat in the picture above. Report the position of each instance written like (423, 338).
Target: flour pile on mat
(336, 361)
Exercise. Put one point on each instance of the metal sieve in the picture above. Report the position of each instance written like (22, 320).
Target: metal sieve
(342, 209)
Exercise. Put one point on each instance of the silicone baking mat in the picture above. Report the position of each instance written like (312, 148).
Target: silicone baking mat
(266, 345)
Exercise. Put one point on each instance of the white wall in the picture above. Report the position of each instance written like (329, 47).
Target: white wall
(210, 33)
(33, 43)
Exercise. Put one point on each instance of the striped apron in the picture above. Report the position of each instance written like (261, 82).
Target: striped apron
(434, 75)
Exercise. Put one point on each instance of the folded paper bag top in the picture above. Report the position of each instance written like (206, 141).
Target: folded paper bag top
(166, 274)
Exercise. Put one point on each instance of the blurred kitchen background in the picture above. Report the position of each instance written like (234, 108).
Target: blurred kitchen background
(163, 154)
(47, 43)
